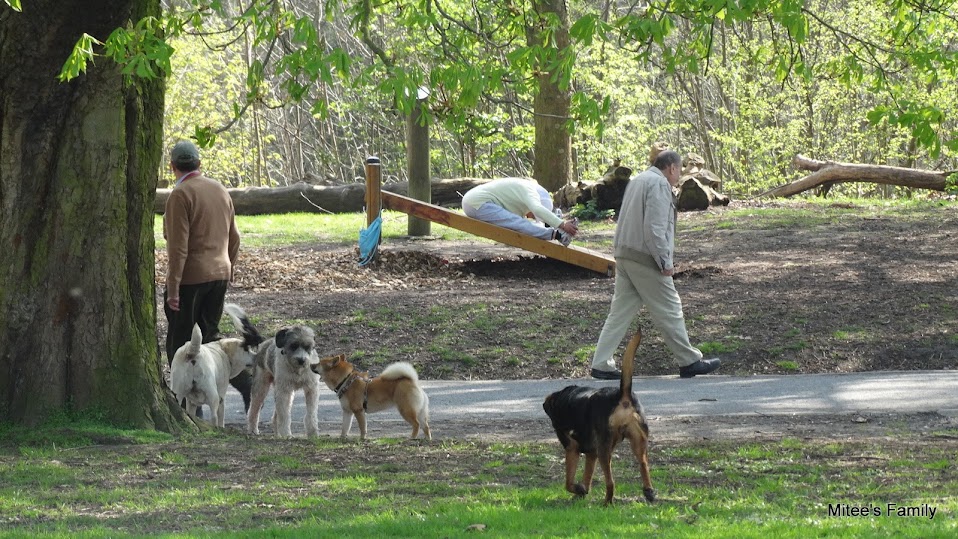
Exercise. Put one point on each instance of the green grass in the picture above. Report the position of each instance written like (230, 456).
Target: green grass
(790, 366)
(711, 348)
(234, 486)
(277, 230)
(810, 213)
(299, 228)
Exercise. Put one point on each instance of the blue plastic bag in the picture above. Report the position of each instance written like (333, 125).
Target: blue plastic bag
(369, 241)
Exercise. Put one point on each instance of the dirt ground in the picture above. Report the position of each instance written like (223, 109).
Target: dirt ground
(846, 289)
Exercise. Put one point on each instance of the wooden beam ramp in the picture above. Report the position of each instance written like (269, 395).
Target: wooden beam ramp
(578, 256)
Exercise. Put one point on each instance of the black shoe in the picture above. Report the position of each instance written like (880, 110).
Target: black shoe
(606, 375)
(702, 366)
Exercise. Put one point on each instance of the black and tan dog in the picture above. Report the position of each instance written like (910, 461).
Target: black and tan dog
(593, 421)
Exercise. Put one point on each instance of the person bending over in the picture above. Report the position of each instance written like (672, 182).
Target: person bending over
(510, 202)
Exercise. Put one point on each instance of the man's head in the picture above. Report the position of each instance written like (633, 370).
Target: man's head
(670, 163)
(184, 156)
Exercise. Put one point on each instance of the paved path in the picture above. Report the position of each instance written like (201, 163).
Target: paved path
(668, 396)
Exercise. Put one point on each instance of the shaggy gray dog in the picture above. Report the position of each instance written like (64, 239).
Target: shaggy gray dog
(284, 361)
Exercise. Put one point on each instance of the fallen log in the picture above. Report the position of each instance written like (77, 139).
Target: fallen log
(607, 192)
(303, 197)
(696, 194)
(697, 190)
(831, 172)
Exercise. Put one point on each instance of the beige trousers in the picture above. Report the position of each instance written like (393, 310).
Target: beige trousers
(638, 284)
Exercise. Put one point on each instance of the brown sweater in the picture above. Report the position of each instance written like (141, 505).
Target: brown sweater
(201, 236)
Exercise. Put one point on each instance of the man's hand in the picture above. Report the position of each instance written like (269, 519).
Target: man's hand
(173, 303)
(668, 272)
(569, 227)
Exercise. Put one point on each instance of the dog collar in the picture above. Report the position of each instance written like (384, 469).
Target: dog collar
(344, 385)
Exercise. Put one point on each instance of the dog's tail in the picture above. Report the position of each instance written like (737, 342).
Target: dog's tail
(196, 341)
(251, 336)
(399, 370)
(628, 364)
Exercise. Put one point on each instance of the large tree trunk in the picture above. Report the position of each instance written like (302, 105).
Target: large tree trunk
(347, 198)
(78, 166)
(553, 142)
(827, 173)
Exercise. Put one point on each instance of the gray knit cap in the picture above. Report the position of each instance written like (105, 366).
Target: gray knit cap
(184, 153)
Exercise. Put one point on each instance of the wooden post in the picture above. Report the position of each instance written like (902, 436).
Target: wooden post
(417, 159)
(374, 184)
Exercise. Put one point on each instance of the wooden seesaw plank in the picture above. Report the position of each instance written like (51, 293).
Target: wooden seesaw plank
(578, 256)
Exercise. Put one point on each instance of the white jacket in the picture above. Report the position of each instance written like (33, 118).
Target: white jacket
(517, 195)
(646, 228)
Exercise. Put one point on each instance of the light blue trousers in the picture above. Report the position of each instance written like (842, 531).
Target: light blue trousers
(497, 215)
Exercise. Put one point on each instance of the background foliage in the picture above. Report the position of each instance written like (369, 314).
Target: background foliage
(746, 85)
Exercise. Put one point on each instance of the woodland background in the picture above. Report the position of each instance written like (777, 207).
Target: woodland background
(738, 109)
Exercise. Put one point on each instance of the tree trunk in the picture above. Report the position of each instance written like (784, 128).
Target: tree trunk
(417, 165)
(552, 167)
(831, 172)
(78, 166)
(303, 197)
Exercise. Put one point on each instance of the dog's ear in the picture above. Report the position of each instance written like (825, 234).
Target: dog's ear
(281, 338)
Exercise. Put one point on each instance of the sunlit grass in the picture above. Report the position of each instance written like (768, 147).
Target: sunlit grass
(451, 488)
(278, 230)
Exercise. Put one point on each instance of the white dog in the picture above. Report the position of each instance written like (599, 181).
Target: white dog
(285, 361)
(200, 373)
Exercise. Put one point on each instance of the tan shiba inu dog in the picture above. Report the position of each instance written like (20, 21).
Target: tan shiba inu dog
(397, 386)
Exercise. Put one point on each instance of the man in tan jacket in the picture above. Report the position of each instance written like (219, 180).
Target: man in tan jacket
(202, 244)
(644, 248)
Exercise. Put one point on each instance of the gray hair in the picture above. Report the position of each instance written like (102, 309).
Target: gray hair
(666, 159)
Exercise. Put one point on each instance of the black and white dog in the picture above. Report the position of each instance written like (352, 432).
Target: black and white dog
(200, 373)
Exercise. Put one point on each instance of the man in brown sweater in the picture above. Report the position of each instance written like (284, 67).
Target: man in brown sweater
(202, 244)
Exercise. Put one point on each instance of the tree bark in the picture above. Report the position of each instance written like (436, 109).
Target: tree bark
(552, 167)
(78, 166)
(831, 172)
(303, 197)
(417, 168)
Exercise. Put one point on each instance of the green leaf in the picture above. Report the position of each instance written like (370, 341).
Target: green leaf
(584, 29)
(204, 135)
(15, 4)
(877, 114)
(77, 61)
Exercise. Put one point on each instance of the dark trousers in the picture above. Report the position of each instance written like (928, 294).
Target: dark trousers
(201, 304)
